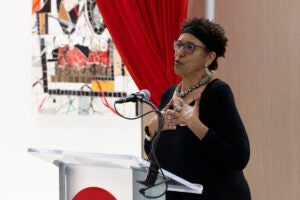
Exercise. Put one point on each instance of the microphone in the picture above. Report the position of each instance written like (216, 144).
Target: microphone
(139, 96)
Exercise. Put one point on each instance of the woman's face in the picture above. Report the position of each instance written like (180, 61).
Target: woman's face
(190, 64)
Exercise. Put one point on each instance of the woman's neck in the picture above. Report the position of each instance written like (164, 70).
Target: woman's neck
(188, 82)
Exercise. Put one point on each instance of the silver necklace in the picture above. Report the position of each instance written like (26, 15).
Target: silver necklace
(189, 90)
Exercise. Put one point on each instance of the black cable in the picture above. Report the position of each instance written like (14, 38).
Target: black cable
(154, 164)
(154, 167)
(131, 118)
(143, 190)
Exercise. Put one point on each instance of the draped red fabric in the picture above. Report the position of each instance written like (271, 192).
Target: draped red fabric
(143, 32)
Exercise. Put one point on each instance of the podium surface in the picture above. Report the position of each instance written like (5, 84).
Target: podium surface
(115, 174)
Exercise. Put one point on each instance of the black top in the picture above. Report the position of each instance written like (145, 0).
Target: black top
(218, 159)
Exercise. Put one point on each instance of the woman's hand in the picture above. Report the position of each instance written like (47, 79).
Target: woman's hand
(181, 114)
(171, 117)
(189, 115)
(186, 112)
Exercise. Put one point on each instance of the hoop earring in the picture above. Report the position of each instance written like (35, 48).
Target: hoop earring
(207, 71)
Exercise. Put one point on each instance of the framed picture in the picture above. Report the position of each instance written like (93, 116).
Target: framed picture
(76, 67)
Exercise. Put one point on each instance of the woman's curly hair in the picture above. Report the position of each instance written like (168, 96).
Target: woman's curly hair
(216, 34)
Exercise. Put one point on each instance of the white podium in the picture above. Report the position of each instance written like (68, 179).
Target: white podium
(116, 176)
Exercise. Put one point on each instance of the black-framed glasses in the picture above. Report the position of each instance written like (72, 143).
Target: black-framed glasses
(187, 46)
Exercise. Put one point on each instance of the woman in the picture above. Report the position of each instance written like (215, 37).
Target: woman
(203, 139)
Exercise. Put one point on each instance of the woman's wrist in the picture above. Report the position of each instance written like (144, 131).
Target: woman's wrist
(151, 127)
(198, 128)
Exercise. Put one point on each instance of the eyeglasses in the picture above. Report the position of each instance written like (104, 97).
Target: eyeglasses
(187, 46)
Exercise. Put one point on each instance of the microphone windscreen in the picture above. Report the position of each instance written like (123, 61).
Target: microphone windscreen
(146, 94)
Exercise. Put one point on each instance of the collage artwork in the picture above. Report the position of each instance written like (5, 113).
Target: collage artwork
(76, 67)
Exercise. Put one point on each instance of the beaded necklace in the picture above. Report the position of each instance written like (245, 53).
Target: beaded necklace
(189, 90)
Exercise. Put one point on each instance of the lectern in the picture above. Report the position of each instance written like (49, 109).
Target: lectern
(98, 176)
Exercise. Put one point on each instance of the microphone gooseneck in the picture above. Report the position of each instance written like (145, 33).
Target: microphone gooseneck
(154, 167)
(143, 95)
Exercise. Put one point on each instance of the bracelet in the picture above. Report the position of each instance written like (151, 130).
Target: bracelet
(147, 136)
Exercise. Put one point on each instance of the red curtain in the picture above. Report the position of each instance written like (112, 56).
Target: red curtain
(143, 32)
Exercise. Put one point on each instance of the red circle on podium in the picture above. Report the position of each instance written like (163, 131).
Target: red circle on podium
(94, 193)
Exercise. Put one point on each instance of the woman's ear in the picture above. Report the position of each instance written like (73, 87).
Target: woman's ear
(211, 56)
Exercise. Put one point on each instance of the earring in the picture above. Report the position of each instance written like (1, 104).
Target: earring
(208, 72)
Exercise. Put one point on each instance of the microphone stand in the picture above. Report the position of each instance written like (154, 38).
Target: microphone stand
(154, 167)
(154, 164)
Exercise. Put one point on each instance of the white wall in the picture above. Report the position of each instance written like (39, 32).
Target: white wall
(22, 175)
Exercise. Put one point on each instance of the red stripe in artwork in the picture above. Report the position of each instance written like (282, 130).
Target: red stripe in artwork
(76, 11)
(35, 5)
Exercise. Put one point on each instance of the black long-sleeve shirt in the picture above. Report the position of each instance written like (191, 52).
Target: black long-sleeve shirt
(217, 161)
